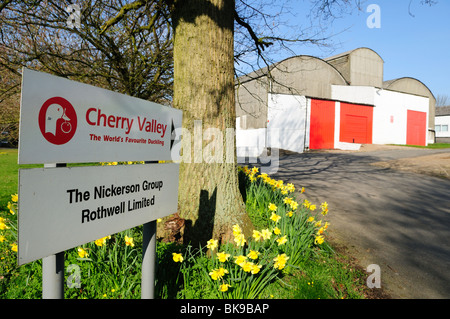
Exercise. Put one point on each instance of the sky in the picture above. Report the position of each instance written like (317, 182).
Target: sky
(413, 39)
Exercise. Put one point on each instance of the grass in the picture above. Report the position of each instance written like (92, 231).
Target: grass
(430, 146)
(110, 268)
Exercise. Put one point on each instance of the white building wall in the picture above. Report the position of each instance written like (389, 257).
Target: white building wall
(389, 113)
(442, 121)
(287, 122)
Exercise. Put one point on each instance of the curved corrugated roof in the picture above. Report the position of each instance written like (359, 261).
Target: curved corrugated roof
(387, 84)
(350, 52)
(264, 71)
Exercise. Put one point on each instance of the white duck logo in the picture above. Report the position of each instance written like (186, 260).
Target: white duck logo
(57, 120)
(53, 114)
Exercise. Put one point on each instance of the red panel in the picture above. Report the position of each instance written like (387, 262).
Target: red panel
(321, 133)
(356, 123)
(416, 128)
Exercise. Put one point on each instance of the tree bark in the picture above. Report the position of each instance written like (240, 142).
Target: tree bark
(209, 197)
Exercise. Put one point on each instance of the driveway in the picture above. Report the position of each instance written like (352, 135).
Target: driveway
(399, 220)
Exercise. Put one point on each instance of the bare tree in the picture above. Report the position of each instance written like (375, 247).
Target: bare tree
(133, 56)
(442, 100)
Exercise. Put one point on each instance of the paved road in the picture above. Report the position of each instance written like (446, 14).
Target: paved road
(398, 220)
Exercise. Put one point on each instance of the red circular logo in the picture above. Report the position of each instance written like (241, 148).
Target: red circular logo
(57, 120)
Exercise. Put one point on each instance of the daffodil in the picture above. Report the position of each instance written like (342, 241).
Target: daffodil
(129, 241)
(290, 187)
(240, 259)
(2, 238)
(237, 230)
(276, 231)
(266, 234)
(280, 261)
(289, 213)
(224, 287)
(102, 241)
(212, 244)
(14, 198)
(275, 217)
(178, 258)
(247, 266)
(293, 205)
(312, 207)
(82, 253)
(218, 273)
(3, 226)
(311, 219)
(319, 240)
(272, 207)
(11, 209)
(256, 235)
(14, 247)
(253, 254)
(281, 240)
(324, 207)
(256, 269)
(239, 240)
(223, 257)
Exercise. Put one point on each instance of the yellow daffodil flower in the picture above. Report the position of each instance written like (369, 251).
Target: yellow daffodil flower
(272, 207)
(275, 217)
(281, 240)
(14, 198)
(240, 260)
(280, 261)
(82, 253)
(256, 269)
(178, 258)
(212, 244)
(256, 235)
(253, 254)
(319, 240)
(224, 287)
(266, 234)
(276, 231)
(239, 240)
(129, 241)
(14, 247)
(247, 266)
(223, 257)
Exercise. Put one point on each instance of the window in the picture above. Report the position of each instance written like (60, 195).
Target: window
(437, 128)
(444, 128)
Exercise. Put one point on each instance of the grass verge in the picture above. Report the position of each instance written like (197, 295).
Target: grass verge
(109, 268)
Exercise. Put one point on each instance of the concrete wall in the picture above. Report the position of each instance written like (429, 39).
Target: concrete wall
(361, 66)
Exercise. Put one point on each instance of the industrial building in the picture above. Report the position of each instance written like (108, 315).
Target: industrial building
(442, 125)
(340, 102)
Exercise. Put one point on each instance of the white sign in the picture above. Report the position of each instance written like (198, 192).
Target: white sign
(62, 121)
(61, 208)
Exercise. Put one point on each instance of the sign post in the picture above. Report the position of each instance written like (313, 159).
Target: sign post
(63, 207)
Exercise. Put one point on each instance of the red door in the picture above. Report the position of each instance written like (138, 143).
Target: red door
(321, 132)
(416, 128)
(356, 123)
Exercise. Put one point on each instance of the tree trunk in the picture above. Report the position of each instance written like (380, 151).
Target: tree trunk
(209, 197)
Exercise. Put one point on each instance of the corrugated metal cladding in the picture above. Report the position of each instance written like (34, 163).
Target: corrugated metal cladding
(322, 117)
(416, 128)
(356, 123)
